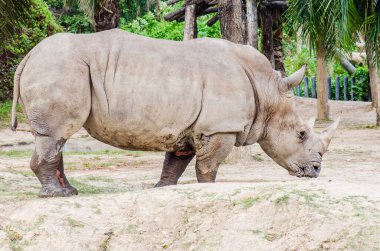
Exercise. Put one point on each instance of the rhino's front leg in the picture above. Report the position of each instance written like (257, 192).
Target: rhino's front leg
(174, 165)
(210, 152)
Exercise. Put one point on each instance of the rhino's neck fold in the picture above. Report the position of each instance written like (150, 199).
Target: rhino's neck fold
(258, 122)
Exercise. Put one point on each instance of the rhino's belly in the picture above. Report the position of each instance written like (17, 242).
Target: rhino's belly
(137, 137)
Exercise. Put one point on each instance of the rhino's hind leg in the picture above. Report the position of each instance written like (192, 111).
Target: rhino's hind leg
(210, 152)
(47, 164)
(173, 168)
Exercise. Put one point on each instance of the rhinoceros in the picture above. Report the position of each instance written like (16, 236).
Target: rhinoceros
(194, 98)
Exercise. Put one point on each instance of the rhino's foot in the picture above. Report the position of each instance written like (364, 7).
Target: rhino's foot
(54, 191)
(164, 184)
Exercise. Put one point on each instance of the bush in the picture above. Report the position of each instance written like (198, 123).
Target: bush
(71, 19)
(361, 87)
(150, 26)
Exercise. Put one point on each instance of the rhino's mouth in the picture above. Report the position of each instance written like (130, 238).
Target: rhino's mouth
(311, 170)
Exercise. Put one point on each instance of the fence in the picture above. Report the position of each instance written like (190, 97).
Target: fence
(341, 91)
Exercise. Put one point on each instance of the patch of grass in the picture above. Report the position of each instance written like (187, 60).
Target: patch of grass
(84, 188)
(131, 229)
(305, 195)
(236, 192)
(257, 158)
(272, 236)
(282, 200)
(109, 152)
(74, 223)
(209, 194)
(12, 234)
(256, 231)
(5, 114)
(25, 195)
(16, 153)
(107, 164)
(323, 120)
(367, 238)
(99, 178)
(25, 173)
(373, 126)
(249, 202)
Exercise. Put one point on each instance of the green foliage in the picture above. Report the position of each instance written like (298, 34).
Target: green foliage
(71, 19)
(13, 14)
(131, 9)
(5, 114)
(39, 25)
(361, 87)
(294, 61)
(148, 25)
(75, 22)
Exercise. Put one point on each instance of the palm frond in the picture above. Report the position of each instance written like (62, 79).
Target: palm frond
(13, 14)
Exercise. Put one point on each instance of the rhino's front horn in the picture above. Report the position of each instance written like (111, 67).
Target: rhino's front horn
(294, 79)
(328, 133)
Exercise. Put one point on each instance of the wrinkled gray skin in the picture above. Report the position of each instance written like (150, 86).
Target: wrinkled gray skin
(195, 98)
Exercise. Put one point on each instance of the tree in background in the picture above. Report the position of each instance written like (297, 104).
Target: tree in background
(232, 21)
(362, 18)
(317, 21)
(104, 14)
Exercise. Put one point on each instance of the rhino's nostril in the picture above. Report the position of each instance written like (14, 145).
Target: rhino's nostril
(316, 168)
(320, 154)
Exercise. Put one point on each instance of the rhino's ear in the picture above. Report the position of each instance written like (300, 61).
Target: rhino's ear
(294, 79)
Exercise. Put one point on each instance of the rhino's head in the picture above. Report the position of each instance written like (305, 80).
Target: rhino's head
(288, 139)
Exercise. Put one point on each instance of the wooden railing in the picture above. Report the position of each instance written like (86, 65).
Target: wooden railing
(309, 88)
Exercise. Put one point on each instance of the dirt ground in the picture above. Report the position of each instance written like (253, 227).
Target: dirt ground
(255, 204)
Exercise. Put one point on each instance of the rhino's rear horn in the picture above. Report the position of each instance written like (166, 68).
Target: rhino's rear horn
(328, 133)
(294, 79)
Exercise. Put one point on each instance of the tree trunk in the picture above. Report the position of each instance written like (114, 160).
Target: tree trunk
(299, 40)
(373, 79)
(378, 105)
(278, 51)
(232, 21)
(190, 30)
(157, 9)
(267, 34)
(252, 23)
(345, 63)
(107, 15)
(322, 88)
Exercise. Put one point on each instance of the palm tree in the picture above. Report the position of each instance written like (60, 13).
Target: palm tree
(318, 22)
(362, 18)
(13, 13)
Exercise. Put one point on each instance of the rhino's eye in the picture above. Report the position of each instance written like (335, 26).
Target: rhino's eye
(302, 135)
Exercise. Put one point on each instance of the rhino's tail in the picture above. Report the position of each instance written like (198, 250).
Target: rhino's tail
(16, 91)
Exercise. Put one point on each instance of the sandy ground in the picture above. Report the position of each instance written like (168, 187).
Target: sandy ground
(255, 204)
